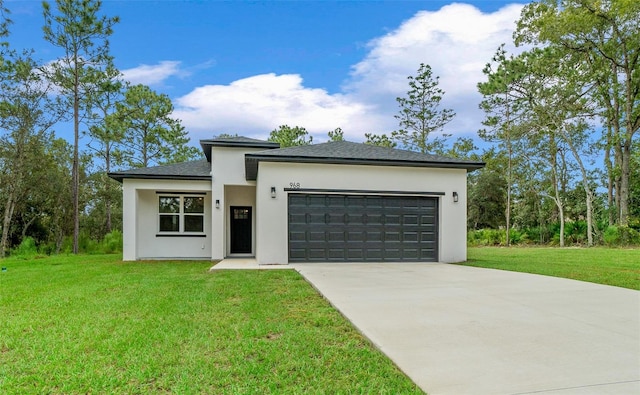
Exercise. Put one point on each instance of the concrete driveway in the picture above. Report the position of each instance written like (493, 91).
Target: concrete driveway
(463, 330)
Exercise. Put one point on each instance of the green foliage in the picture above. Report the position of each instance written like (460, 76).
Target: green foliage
(420, 116)
(27, 249)
(77, 29)
(575, 234)
(151, 135)
(381, 140)
(112, 242)
(336, 135)
(621, 236)
(486, 200)
(288, 136)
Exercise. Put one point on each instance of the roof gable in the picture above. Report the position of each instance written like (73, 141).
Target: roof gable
(346, 152)
(237, 141)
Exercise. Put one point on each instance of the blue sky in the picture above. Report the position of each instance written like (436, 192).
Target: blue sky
(247, 67)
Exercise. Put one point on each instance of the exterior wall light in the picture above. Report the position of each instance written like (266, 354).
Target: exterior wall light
(455, 197)
(273, 192)
(217, 203)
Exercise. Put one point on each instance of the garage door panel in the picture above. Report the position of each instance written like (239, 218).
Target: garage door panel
(411, 219)
(374, 236)
(392, 236)
(328, 227)
(410, 237)
(392, 219)
(317, 236)
(297, 218)
(297, 236)
(374, 219)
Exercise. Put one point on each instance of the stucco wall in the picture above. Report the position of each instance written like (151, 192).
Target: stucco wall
(227, 168)
(140, 221)
(271, 237)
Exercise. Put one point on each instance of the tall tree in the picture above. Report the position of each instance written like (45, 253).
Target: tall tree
(151, 135)
(5, 21)
(503, 111)
(289, 136)
(27, 112)
(106, 134)
(604, 37)
(420, 115)
(82, 34)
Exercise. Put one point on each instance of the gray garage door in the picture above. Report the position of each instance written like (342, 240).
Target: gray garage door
(359, 228)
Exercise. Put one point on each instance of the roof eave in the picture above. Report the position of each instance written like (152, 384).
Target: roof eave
(251, 163)
(120, 177)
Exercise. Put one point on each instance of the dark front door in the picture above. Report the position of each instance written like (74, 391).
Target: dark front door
(240, 230)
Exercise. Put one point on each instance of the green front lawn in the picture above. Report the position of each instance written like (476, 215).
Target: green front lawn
(92, 324)
(610, 266)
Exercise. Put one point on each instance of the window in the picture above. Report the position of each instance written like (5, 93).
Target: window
(181, 214)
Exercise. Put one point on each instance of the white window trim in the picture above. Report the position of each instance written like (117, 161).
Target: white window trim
(181, 214)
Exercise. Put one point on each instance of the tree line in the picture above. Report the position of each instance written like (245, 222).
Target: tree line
(58, 193)
(561, 129)
(562, 120)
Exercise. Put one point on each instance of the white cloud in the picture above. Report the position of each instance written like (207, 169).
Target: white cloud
(153, 74)
(256, 105)
(456, 41)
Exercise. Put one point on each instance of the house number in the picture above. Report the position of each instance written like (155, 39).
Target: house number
(294, 185)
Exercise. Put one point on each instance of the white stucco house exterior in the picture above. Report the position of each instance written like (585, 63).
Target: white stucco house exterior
(330, 202)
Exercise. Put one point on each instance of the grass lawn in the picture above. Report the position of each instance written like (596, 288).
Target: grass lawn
(92, 324)
(610, 266)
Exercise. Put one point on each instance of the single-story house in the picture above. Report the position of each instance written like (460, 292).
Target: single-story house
(329, 202)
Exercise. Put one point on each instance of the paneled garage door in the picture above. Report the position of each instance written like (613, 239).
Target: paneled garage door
(362, 228)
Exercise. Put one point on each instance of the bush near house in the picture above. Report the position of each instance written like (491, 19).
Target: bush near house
(28, 248)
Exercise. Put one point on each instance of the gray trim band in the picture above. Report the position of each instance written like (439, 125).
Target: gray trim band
(365, 192)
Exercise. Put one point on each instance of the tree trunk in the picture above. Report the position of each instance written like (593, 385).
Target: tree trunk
(556, 187)
(6, 222)
(624, 183)
(509, 174)
(610, 180)
(75, 177)
(108, 188)
(585, 184)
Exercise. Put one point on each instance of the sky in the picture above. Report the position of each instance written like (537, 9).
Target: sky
(247, 67)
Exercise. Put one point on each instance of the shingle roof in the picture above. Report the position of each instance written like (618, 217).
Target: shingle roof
(346, 152)
(237, 141)
(194, 170)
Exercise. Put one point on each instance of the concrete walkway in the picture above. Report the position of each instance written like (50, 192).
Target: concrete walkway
(463, 330)
(244, 264)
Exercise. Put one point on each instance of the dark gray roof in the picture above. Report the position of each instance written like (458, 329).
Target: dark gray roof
(346, 152)
(238, 141)
(195, 170)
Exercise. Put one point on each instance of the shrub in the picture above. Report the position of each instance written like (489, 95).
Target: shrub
(26, 249)
(621, 236)
(112, 242)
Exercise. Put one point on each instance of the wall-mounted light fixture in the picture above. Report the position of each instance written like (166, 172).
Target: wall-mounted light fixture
(455, 197)
(217, 203)
(273, 192)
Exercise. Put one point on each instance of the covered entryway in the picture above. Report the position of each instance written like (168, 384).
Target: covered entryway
(326, 227)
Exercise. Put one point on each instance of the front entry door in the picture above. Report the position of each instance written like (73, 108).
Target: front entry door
(240, 230)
